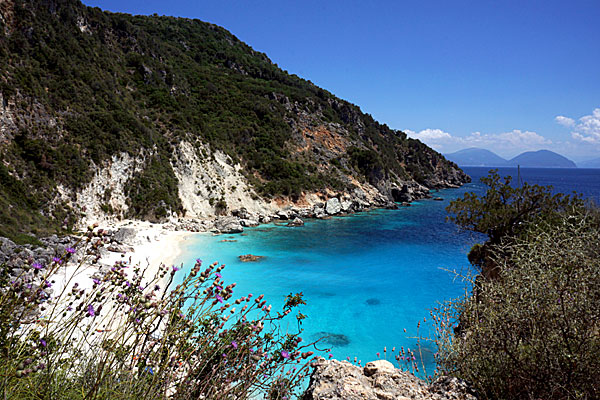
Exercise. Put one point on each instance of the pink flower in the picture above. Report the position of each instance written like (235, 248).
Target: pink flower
(285, 354)
(234, 344)
(90, 311)
(70, 250)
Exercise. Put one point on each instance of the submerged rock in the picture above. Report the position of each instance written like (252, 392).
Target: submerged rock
(373, 301)
(334, 339)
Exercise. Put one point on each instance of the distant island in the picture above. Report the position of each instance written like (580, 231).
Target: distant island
(476, 157)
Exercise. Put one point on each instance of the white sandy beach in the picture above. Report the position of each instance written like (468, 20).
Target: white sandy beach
(152, 245)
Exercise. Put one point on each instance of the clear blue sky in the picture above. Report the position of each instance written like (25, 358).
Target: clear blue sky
(457, 74)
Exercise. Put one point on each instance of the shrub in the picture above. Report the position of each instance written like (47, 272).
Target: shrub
(533, 330)
(126, 336)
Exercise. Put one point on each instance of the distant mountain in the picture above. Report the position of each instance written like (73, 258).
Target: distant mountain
(475, 157)
(595, 163)
(542, 159)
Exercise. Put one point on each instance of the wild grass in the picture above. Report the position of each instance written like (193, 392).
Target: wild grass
(127, 335)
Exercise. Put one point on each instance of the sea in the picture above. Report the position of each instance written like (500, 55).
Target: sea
(370, 280)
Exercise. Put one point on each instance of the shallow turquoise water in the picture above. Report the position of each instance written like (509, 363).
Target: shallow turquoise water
(365, 277)
(368, 276)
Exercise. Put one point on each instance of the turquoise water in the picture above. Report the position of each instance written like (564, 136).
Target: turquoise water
(365, 277)
(368, 276)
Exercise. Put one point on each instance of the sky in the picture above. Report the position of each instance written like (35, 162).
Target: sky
(508, 76)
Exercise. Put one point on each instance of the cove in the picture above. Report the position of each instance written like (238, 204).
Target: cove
(365, 277)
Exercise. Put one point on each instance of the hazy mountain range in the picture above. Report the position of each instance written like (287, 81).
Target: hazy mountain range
(533, 159)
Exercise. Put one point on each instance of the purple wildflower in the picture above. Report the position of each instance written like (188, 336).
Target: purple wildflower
(175, 269)
(43, 343)
(234, 344)
(330, 355)
(96, 281)
(127, 283)
(37, 266)
(57, 260)
(90, 311)
(218, 275)
(199, 261)
(47, 284)
(219, 298)
(285, 354)
(70, 250)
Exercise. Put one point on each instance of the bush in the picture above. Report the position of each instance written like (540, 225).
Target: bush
(126, 337)
(532, 331)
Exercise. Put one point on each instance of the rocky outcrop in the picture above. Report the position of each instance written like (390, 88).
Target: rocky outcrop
(341, 380)
(228, 225)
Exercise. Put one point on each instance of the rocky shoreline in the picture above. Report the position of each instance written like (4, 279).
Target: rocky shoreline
(294, 216)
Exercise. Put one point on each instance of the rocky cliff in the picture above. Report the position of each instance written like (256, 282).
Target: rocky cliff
(108, 115)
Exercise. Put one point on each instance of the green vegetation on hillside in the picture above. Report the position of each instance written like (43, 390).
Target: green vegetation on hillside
(87, 85)
(530, 328)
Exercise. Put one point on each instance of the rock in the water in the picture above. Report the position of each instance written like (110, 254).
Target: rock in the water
(373, 301)
(333, 206)
(283, 214)
(333, 339)
(228, 225)
(340, 380)
(296, 222)
(249, 222)
(250, 257)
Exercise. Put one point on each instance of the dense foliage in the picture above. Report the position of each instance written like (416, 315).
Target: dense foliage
(86, 85)
(531, 330)
(504, 212)
(127, 335)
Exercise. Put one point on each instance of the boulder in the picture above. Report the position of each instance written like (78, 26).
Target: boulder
(346, 205)
(283, 214)
(319, 212)
(341, 380)
(250, 257)
(296, 222)
(249, 222)
(228, 225)
(125, 235)
(333, 206)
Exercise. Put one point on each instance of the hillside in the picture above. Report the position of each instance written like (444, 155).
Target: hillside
(542, 159)
(108, 115)
(475, 157)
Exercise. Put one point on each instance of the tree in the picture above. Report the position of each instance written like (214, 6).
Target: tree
(505, 212)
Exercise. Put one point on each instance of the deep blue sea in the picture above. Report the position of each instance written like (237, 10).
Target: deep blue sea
(368, 276)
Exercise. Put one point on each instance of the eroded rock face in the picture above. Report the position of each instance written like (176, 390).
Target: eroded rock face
(340, 380)
(228, 225)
